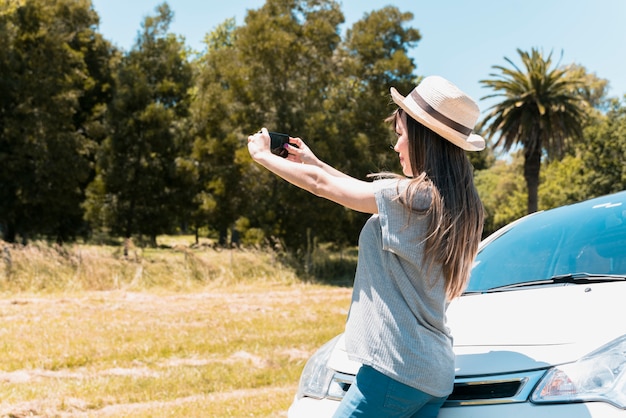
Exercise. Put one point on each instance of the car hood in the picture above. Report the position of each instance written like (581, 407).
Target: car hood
(526, 329)
(534, 328)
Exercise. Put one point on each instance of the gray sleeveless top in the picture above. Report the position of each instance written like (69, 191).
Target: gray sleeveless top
(396, 322)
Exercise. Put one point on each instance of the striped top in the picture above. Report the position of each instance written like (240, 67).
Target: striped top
(396, 322)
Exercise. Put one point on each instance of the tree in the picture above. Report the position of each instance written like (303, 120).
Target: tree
(501, 193)
(274, 71)
(350, 132)
(211, 162)
(563, 182)
(288, 69)
(542, 111)
(591, 88)
(604, 151)
(54, 70)
(346, 127)
(373, 57)
(138, 168)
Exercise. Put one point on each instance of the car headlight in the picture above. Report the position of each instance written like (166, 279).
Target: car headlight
(318, 381)
(599, 376)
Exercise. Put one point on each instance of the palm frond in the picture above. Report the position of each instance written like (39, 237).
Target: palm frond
(539, 104)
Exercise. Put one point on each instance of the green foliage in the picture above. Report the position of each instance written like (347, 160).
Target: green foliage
(596, 169)
(542, 109)
(137, 170)
(153, 140)
(563, 182)
(604, 151)
(288, 69)
(502, 193)
(592, 89)
(53, 87)
(287, 53)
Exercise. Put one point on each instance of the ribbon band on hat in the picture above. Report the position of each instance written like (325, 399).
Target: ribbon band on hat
(440, 117)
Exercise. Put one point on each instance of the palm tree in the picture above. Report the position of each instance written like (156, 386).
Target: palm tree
(542, 110)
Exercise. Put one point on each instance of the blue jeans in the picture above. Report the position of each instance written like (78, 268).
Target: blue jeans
(374, 395)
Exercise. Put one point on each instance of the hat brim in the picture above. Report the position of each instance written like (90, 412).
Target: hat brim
(471, 142)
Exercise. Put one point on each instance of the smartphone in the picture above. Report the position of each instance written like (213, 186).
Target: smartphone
(277, 145)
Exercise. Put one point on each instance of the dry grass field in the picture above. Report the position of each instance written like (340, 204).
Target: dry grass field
(87, 332)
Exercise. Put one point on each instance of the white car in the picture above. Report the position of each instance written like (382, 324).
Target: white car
(540, 331)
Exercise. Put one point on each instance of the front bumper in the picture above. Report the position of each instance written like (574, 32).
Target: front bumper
(315, 408)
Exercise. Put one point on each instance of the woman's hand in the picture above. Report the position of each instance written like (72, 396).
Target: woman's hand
(259, 143)
(301, 154)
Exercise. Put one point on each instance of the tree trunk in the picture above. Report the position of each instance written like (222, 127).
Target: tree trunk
(223, 237)
(9, 233)
(532, 165)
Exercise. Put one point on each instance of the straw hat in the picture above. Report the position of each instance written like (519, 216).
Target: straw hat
(439, 105)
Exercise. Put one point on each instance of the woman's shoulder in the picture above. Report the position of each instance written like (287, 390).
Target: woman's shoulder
(416, 194)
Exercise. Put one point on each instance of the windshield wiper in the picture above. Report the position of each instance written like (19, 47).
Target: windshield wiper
(570, 278)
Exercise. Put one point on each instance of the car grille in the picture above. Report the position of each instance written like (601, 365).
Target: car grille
(480, 390)
(484, 390)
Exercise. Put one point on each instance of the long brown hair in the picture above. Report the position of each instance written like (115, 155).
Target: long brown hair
(456, 212)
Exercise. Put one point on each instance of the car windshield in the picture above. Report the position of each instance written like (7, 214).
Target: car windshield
(588, 238)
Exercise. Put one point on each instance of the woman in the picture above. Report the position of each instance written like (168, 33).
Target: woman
(415, 252)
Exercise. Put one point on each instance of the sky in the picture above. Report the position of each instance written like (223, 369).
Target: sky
(461, 39)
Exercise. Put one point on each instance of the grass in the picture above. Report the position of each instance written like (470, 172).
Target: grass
(87, 332)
